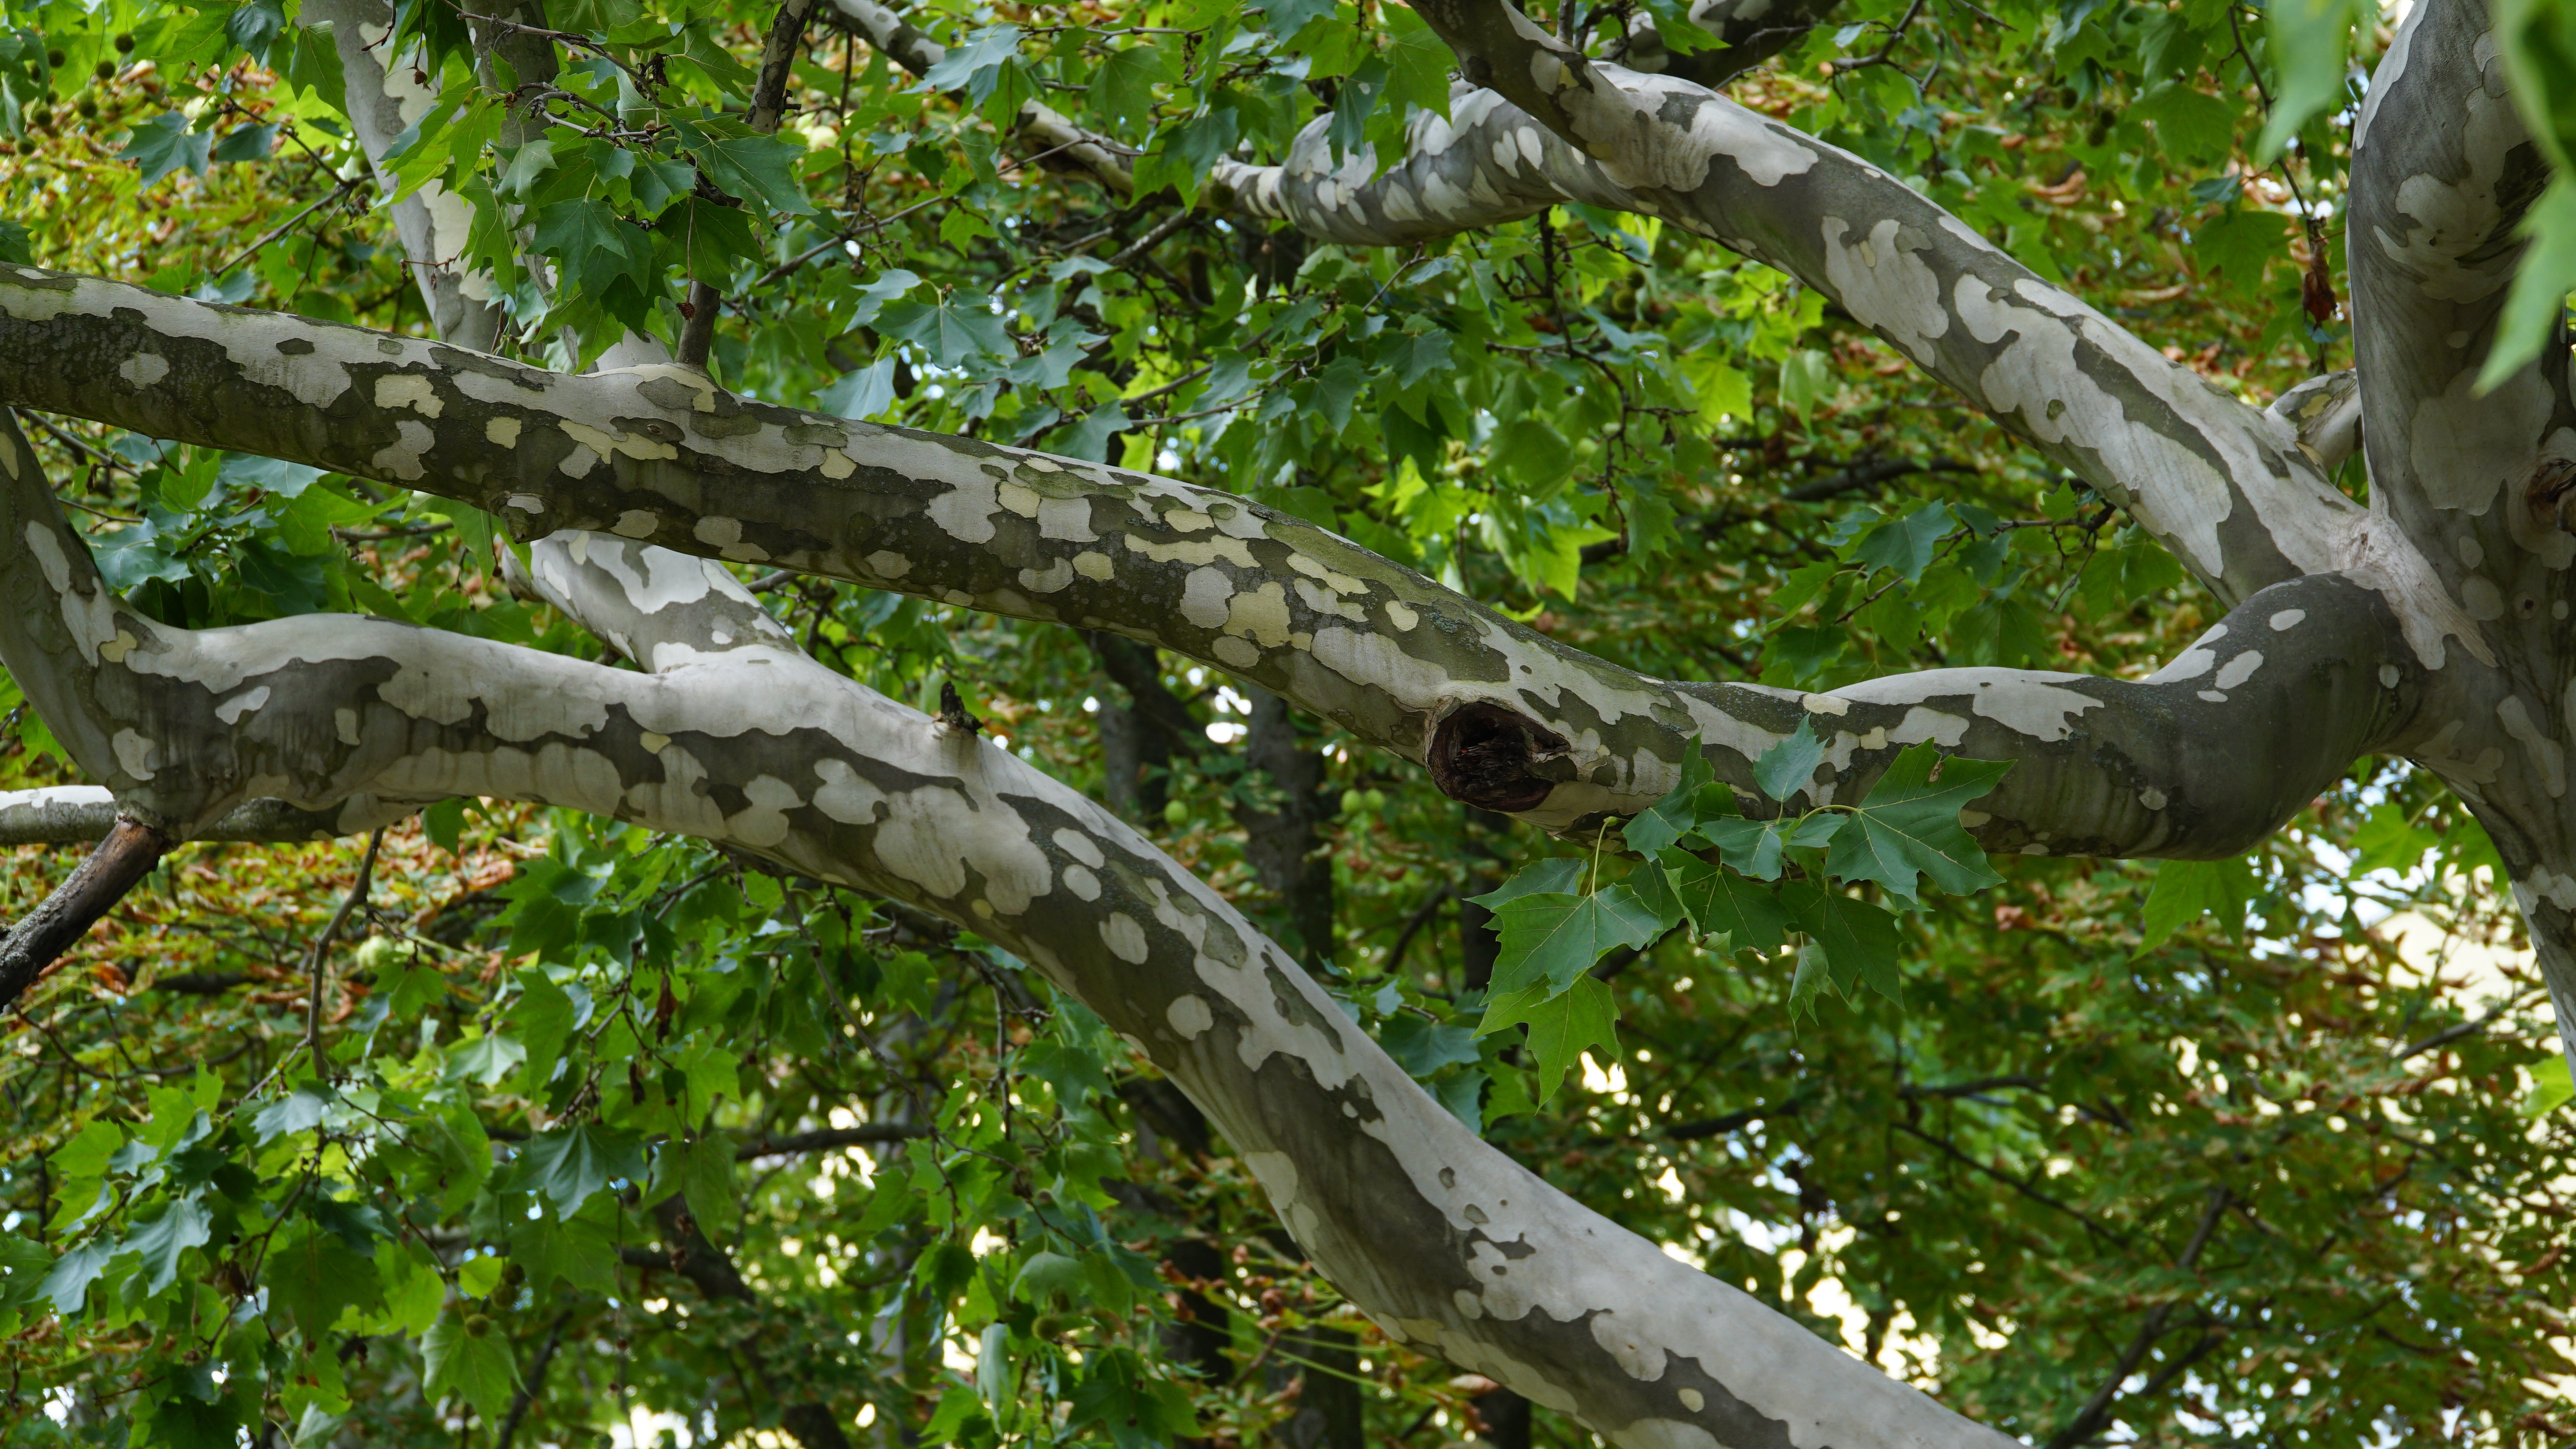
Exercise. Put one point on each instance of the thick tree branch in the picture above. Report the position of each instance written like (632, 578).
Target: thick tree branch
(385, 98)
(2213, 478)
(2200, 760)
(119, 863)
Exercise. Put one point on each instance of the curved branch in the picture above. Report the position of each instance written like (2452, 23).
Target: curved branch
(2214, 479)
(1505, 717)
(383, 100)
(2443, 171)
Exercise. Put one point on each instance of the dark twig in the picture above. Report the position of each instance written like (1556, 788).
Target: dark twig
(320, 962)
(120, 862)
(536, 1380)
(2096, 1413)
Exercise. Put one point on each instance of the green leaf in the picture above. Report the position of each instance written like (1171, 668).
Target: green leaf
(568, 1164)
(1123, 87)
(1417, 62)
(2194, 127)
(2389, 839)
(710, 238)
(2187, 890)
(162, 1241)
(300, 1112)
(1559, 876)
(1677, 814)
(543, 1020)
(1905, 545)
(164, 144)
(1422, 1046)
(316, 1276)
(67, 1285)
(1802, 382)
(468, 1354)
(1721, 389)
(245, 143)
(704, 1171)
(1910, 825)
(752, 168)
(1551, 940)
(255, 26)
(2551, 1087)
(575, 1250)
(953, 330)
(1721, 902)
(1561, 1025)
(1858, 940)
(1789, 766)
(1530, 453)
(595, 244)
(2309, 43)
(485, 1059)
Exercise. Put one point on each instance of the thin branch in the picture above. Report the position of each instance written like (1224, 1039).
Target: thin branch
(120, 863)
(2096, 1414)
(320, 961)
(536, 1381)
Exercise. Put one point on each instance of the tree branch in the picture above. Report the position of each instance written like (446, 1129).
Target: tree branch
(2200, 760)
(2096, 1413)
(119, 863)
(2211, 477)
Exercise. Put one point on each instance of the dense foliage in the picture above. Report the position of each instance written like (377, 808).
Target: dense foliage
(522, 1128)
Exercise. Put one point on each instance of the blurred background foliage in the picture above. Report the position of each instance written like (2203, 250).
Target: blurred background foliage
(621, 1139)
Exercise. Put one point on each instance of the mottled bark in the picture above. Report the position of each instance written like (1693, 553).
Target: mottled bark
(736, 737)
(1505, 717)
(2443, 169)
(386, 94)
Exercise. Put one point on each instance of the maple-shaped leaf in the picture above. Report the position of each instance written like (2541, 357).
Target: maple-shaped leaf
(1909, 826)
(1560, 1025)
(469, 1354)
(1857, 940)
(1720, 901)
(1789, 766)
(1677, 814)
(1551, 939)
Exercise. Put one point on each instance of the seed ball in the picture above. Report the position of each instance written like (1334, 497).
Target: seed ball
(104, 70)
(478, 1325)
(125, 43)
(55, 59)
(40, 117)
(88, 109)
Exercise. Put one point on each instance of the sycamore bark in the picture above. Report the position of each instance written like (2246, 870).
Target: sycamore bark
(2428, 624)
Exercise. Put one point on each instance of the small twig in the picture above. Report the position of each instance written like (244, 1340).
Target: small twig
(322, 948)
(536, 1380)
(282, 228)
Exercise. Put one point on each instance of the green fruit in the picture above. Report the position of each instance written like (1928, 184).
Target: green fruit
(477, 1325)
(88, 109)
(55, 59)
(1376, 799)
(1176, 813)
(377, 953)
(105, 70)
(1353, 802)
(125, 44)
